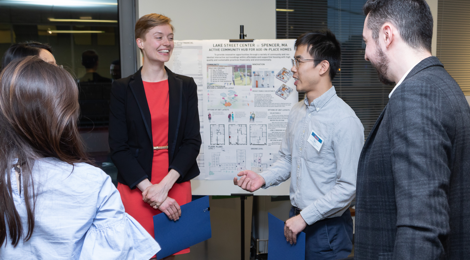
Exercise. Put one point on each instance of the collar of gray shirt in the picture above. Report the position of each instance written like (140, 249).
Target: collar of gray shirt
(319, 102)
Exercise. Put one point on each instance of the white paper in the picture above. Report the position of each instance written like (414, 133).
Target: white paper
(245, 92)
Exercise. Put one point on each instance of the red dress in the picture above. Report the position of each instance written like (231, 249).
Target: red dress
(158, 100)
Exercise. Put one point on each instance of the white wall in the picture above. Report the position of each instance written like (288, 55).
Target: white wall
(215, 19)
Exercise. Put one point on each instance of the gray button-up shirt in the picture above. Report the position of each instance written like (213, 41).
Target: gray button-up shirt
(323, 181)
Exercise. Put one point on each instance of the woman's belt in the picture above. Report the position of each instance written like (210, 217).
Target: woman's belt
(160, 147)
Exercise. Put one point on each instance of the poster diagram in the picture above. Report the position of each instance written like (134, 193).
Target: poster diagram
(229, 99)
(263, 79)
(237, 134)
(227, 163)
(262, 161)
(221, 75)
(258, 134)
(217, 134)
(284, 75)
(284, 91)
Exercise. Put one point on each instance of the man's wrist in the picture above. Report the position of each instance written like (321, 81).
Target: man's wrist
(265, 182)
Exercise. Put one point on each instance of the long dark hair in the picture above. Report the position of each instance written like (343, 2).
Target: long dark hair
(38, 117)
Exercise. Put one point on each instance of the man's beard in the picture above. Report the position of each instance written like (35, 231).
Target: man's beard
(382, 67)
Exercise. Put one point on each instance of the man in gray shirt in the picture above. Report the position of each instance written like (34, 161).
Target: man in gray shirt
(320, 151)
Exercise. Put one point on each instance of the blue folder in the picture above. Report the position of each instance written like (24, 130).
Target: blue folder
(278, 247)
(194, 226)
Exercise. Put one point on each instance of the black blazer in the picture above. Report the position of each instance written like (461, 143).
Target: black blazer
(413, 178)
(130, 129)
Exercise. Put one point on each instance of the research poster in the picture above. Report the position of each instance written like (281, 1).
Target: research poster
(245, 92)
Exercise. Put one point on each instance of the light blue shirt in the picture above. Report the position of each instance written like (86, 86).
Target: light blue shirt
(78, 215)
(323, 181)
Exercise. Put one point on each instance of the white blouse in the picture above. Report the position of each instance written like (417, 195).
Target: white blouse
(78, 215)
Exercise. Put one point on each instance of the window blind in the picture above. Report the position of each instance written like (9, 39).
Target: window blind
(453, 40)
(357, 83)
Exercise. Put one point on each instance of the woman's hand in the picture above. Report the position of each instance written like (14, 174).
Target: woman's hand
(171, 208)
(155, 194)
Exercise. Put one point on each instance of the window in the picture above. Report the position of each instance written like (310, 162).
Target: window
(84, 36)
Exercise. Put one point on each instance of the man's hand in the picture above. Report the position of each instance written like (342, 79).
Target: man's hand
(293, 227)
(249, 181)
(171, 208)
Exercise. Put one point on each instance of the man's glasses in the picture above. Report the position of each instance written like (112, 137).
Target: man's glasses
(296, 61)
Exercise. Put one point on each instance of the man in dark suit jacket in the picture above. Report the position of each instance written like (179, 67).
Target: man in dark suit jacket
(413, 184)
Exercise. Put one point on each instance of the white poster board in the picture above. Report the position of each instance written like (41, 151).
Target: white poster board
(245, 92)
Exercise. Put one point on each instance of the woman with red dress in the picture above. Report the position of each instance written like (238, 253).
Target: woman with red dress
(154, 130)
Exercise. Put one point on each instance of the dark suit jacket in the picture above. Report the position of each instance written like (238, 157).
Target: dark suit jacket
(130, 129)
(413, 179)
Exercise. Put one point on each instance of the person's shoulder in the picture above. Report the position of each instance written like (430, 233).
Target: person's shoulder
(77, 173)
(344, 115)
(86, 167)
(188, 83)
(186, 80)
(343, 108)
(428, 76)
(433, 83)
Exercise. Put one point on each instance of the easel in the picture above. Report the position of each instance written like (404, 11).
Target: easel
(243, 196)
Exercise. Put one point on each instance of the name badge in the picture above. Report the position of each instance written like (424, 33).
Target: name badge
(316, 141)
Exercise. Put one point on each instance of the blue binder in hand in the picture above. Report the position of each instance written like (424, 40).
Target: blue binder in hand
(194, 226)
(278, 247)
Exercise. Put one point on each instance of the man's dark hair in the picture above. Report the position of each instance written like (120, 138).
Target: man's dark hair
(17, 51)
(322, 45)
(412, 18)
(89, 59)
(39, 45)
(116, 62)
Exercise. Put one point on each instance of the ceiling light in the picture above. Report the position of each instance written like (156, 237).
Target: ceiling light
(285, 10)
(81, 20)
(77, 3)
(72, 31)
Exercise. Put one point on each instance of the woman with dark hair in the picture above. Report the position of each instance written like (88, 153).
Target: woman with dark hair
(21, 50)
(154, 129)
(53, 203)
